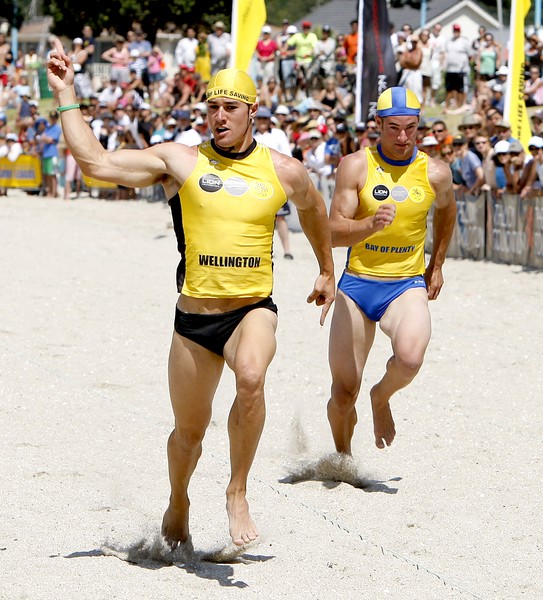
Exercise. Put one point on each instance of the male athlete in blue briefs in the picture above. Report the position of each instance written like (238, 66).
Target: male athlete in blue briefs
(379, 211)
(224, 196)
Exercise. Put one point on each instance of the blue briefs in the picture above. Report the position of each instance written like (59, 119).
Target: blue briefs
(374, 296)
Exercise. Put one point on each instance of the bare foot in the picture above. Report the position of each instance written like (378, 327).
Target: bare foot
(383, 423)
(175, 525)
(242, 528)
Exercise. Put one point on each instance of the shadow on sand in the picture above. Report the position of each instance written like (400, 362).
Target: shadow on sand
(154, 554)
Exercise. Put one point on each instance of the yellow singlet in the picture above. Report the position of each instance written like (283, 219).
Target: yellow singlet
(397, 250)
(228, 208)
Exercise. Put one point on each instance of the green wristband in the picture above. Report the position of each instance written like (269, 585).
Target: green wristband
(68, 107)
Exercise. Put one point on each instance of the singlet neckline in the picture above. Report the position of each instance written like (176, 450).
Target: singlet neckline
(397, 163)
(234, 155)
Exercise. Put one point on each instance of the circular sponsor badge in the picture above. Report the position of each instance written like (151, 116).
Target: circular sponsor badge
(236, 186)
(261, 190)
(210, 182)
(416, 193)
(399, 193)
(380, 192)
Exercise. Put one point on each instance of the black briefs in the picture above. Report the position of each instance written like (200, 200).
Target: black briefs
(212, 331)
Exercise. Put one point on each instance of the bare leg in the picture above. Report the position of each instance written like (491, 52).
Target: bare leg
(282, 229)
(351, 338)
(248, 353)
(407, 323)
(191, 395)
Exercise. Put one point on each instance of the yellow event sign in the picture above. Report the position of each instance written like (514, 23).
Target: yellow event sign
(24, 173)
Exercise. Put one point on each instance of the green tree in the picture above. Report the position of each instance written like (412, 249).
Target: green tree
(14, 11)
(120, 15)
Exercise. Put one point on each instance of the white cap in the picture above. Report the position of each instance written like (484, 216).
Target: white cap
(156, 139)
(292, 29)
(429, 140)
(198, 121)
(13, 138)
(503, 70)
(282, 110)
(502, 147)
(266, 29)
(77, 41)
(536, 141)
(202, 107)
(144, 106)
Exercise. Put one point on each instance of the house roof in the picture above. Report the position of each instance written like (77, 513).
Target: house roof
(339, 13)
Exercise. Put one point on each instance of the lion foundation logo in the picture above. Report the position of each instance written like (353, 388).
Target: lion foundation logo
(210, 182)
(380, 192)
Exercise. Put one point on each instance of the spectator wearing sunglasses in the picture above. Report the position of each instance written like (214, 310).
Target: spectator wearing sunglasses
(442, 135)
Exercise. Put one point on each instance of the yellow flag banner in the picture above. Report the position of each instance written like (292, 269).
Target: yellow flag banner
(248, 18)
(514, 106)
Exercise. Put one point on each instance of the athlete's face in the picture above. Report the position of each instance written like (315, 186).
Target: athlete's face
(398, 136)
(230, 122)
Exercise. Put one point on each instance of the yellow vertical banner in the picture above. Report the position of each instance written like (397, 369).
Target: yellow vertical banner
(248, 18)
(514, 106)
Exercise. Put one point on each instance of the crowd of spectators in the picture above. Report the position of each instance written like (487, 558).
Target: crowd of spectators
(305, 81)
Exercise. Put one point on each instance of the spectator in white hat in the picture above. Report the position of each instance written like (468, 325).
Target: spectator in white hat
(219, 43)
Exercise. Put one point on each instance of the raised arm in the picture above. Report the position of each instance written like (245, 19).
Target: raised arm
(314, 221)
(132, 168)
(350, 178)
(443, 225)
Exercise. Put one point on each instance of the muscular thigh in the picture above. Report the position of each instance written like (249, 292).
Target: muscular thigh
(351, 338)
(407, 322)
(193, 374)
(252, 345)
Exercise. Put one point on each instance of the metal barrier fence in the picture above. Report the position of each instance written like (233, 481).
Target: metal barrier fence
(507, 229)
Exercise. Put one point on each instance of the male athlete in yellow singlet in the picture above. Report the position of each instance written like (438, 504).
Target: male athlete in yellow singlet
(379, 212)
(224, 197)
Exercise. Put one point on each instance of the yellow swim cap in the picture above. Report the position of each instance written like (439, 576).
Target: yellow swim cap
(398, 102)
(232, 83)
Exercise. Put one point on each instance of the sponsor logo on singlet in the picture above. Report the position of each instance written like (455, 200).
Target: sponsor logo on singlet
(380, 192)
(210, 183)
(399, 193)
(261, 190)
(416, 193)
(236, 186)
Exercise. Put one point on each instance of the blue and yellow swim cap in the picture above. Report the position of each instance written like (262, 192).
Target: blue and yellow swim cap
(398, 102)
(232, 83)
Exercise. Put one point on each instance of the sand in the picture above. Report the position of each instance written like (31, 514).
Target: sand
(451, 510)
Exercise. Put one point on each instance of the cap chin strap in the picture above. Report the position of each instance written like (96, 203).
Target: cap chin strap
(397, 163)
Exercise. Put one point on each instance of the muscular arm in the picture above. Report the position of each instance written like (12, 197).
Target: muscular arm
(443, 225)
(350, 179)
(132, 168)
(314, 221)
